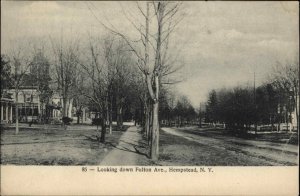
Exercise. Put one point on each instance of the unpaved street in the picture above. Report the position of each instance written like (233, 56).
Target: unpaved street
(264, 152)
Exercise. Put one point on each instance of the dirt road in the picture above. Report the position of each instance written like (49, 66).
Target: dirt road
(267, 152)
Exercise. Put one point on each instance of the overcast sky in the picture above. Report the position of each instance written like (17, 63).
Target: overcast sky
(222, 43)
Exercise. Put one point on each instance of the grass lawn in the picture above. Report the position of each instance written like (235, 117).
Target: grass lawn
(54, 146)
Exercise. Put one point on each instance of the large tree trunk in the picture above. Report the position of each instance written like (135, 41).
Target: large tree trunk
(297, 115)
(296, 108)
(103, 130)
(17, 112)
(147, 67)
(279, 118)
(155, 133)
(286, 119)
(119, 111)
(142, 117)
(78, 119)
(65, 111)
(150, 128)
(272, 123)
(155, 122)
(148, 123)
(154, 93)
(146, 126)
(146, 117)
(70, 107)
(25, 108)
(119, 116)
(110, 123)
(110, 117)
(109, 110)
(79, 114)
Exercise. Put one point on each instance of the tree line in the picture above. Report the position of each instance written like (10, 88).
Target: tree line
(177, 110)
(271, 103)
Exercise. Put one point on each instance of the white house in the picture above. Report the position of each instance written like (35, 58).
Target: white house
(6, 110)
(28, 103)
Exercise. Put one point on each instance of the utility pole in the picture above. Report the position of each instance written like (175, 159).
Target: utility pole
(255, 106)
(200, 117)
(17, 96)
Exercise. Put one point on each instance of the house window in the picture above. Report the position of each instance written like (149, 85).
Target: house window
(29, 98)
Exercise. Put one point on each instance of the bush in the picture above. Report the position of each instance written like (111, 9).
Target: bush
(96, 121)
(66, 120)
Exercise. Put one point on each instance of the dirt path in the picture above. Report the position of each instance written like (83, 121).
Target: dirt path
(276, 154)
(126, 152)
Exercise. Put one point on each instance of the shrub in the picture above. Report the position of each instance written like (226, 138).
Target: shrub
(96, 121)
(66, 120)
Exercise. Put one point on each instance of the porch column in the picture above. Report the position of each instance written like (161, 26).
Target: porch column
(11, 111)
(39, 105)
(1, 112)
(6, 116)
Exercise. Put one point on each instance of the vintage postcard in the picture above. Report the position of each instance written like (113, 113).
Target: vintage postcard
(149, 97)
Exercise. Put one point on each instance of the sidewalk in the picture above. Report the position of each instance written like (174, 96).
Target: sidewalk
(127, 153)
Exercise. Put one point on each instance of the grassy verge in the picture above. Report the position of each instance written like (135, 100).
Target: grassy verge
(276, 137)
(56, 146)
(175, 150)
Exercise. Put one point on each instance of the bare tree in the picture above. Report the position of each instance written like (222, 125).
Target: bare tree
(285, 79)
(106, 66)
(164, 12)
(6, 80)
(80, 101)
(66, 57)
(119, 62)
(165, 23)
(20, 64)
(40, 77)
(93, 65)
(157, 40)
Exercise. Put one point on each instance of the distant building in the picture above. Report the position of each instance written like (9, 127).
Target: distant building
(55, 106)
(294, 114)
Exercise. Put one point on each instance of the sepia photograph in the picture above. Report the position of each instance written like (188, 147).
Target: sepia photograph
(176, 84)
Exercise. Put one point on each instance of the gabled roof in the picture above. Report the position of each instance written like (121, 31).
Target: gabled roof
(6, 95)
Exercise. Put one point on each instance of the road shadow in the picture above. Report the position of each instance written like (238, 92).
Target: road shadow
(136, 150)
(90, 138)
(138, 145)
